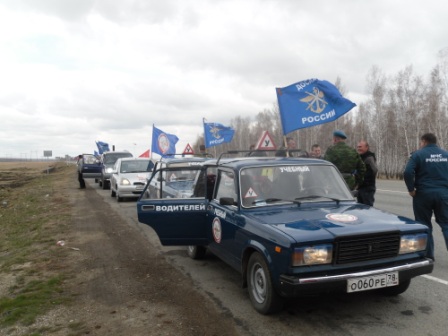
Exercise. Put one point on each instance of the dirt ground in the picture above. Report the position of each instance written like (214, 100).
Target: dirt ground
(120, 285)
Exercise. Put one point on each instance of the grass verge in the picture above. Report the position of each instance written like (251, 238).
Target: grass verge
(34, 215)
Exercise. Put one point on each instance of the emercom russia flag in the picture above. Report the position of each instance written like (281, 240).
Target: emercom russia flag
(163, 143)
(309, 103)
(102, 147)
(217, 134)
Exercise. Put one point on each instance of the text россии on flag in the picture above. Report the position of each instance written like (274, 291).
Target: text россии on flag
(217, 134)
(309, 103)
(102, 147)
(163, 143)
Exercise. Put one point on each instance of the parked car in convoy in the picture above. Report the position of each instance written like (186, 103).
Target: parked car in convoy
(291, 227)
(108, 160)
(179, 182)
(89, 166)
(129, 177)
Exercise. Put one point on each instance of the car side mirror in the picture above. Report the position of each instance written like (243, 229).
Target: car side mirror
(226, 201)
(160, 179)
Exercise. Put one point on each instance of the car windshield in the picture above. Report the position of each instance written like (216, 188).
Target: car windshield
(112, 158)
(90, 159)
(291, 183)
(136, 166)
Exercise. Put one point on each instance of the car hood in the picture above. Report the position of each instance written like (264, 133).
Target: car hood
(136, 177)
(307, 223)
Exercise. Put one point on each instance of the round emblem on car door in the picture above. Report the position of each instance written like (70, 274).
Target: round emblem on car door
(217, 232)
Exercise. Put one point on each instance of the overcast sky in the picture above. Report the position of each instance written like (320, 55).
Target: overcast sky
(76, 71)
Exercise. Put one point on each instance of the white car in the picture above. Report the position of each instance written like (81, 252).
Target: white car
(129, 177)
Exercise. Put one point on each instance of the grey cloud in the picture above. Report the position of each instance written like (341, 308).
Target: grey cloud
(68, 10)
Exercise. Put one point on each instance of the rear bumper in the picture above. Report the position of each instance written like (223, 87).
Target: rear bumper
(291, 286)
(91, 175)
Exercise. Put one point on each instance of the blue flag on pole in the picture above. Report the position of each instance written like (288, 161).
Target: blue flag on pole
(217, 134)
(163, 143)
(309, 103)
(102, 147)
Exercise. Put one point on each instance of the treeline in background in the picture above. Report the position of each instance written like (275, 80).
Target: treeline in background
(398, 110)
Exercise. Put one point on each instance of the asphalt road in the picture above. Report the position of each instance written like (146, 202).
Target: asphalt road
(421, 310)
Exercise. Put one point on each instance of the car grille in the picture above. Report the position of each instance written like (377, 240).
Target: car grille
(367, 247)
(139, 184)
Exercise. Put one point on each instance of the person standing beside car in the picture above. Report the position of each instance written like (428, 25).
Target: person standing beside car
(347, 160)
(367, 188)
(426, 178)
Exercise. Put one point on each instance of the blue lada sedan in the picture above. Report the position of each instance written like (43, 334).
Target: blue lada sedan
(291, 227)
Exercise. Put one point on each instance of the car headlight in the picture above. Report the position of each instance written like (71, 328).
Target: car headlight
(312, 255)
(109, 170)
(413, 243)
(125, 181)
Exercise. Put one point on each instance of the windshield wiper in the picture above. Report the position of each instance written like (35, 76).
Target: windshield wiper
(317, 196)
(273, 200)
(269, 200)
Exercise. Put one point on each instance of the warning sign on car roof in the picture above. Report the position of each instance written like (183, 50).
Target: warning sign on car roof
(265, 142)
(188, 150)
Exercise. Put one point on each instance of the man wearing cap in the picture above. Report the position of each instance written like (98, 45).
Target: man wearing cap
(347, 160)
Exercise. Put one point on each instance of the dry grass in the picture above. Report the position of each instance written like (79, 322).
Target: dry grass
(33, 213)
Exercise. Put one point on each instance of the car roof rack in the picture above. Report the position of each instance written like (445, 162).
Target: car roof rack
(302, 153)
(185, 155)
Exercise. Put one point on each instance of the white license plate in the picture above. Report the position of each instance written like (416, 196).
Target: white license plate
(372, 282)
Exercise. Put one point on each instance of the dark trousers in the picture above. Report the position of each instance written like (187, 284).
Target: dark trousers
(425, 203)
(366, 195)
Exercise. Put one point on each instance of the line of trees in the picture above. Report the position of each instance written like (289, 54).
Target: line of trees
(398, 110)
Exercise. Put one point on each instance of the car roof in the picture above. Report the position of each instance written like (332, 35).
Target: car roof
(241, 162)
(117, 152)
(135, 159)
(181, 162)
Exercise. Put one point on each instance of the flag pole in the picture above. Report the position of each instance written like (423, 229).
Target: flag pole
(151, 139)
(285, 143)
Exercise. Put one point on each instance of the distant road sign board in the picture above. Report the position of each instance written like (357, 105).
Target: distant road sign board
(48, 153)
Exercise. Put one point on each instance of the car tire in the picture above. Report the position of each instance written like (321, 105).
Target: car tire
(104, 185)
(100, 183)
(112, 193)
(262, 294)
(119, 198)
(396, 290)
(196, 252)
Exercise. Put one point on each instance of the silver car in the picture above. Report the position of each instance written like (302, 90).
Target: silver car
(129, 177)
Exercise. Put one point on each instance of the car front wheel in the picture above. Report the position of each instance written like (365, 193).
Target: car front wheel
(112, 193)
(261, 292)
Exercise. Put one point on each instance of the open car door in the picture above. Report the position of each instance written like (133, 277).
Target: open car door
(178, 216)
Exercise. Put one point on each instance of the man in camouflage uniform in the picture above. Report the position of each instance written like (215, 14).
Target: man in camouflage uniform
(347, 160)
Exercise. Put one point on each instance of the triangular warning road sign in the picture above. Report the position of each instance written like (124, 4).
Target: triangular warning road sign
(265, 142)
(188, 150)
